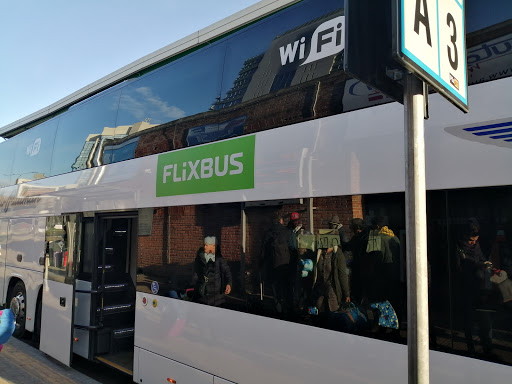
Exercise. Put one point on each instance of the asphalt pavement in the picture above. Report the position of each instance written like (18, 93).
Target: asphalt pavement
(21, 363)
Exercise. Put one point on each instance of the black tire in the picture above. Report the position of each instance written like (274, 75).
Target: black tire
(17, 303)
(36, 335)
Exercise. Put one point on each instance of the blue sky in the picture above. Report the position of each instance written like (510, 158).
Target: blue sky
(52, 48)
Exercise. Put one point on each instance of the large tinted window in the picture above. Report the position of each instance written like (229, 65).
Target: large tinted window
(83, 132)
(304, 265)
(34, 152)
(175, 93)
(7, 150)
(260, 57)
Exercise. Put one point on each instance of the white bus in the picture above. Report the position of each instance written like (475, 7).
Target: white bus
(111, 200)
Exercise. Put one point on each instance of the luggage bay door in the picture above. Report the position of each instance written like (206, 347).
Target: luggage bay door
(61, 257)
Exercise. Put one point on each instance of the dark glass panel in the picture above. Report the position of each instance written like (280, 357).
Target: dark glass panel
(34, 152)
(61, 235)
(470, 253)
(83, 133)
(287, 270)
(175, 93)
(279, 52)
(488, 40)
(7, 150)
(294, 264)
(483, 14)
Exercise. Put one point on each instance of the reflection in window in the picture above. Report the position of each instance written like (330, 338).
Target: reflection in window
(264, 74)
(34, 152)
(61, 237)
(489, 40)
(480, 14)
(83, 132)
(345, 256)
(7, 151)
(181, 89)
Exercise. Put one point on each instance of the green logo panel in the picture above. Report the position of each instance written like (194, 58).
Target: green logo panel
(223, 166)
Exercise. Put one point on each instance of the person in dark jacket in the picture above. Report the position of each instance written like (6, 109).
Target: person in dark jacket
(331, 287)
(473, 267)
(357, 247)
(276, 261)
(384, 251)
(212, 277)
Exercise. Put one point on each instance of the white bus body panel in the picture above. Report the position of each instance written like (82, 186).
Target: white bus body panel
(26, 242)
(3, 253)
(251, 349)
(218, 380)
(157, 369)
(57, 320)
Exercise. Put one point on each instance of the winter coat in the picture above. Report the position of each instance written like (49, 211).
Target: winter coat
(214, 275)
(275, 246)
(470, 263)
(331, 279)
(357, 247)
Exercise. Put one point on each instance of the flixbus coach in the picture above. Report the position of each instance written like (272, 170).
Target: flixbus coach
(244, 133)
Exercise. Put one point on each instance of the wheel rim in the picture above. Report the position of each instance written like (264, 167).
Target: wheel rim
(18, 307)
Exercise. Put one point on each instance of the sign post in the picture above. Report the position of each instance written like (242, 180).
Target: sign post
(431, 44)
(416, 233)
(396, 46)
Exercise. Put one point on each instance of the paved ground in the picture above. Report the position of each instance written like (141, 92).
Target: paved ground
(20, 363)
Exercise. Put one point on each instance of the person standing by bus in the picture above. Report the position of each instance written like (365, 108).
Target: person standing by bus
(331, 287)
(474, 269)
(357, 247)
(276, 260)
(212, 278)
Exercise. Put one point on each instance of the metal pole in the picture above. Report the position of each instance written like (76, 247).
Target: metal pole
(416, 239)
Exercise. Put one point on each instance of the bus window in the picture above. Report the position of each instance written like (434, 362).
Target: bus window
(61, 237)
(174, 93)
(34, 152)
(7, 150)
(82, 133)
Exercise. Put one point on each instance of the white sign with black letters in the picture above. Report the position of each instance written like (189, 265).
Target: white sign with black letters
(432, 44)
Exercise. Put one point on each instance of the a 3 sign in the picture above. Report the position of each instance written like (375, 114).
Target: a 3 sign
(431, 42)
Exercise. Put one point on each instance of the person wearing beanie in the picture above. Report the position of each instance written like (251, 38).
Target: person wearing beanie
(212, 278)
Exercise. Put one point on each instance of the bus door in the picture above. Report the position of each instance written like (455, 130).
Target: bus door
(114, 276)
(105, 291)
(62, 245)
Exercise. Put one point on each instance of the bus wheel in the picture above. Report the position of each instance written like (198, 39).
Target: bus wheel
(18, 307)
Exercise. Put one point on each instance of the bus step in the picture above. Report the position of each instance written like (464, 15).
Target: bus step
(124, 332)
(114, 287)
(118, 308)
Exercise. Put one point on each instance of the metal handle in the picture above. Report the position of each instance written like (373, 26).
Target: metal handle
(19, 257)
